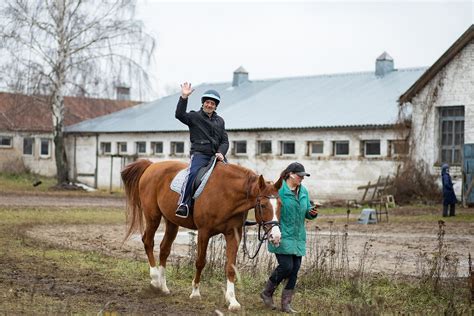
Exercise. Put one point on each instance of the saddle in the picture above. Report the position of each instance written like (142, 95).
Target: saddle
(199, 183)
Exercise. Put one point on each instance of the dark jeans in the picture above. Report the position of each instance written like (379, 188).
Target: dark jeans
(452, 209)
(197, 161)
(288, 267)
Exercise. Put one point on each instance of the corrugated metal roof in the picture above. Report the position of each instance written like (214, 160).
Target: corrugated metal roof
(352, 99)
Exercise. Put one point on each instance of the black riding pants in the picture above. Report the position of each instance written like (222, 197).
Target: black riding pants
(288, 267)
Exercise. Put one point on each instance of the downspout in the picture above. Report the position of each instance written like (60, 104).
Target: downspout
(75, 162)
(96, 160)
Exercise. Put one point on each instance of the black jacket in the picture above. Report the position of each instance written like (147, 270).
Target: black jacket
(207, 134)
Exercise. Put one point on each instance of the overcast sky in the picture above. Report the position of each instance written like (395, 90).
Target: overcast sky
(206, 41)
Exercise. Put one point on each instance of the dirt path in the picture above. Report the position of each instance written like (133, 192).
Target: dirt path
(402, 252)
(11, 199)
(393, 247)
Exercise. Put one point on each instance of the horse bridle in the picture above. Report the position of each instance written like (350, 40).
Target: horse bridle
(261, 224)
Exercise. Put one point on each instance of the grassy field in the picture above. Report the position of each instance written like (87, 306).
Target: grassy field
(23, 184)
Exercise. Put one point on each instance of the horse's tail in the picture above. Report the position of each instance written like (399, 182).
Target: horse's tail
(131, 175)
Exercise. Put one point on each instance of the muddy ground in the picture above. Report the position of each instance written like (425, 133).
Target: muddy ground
(395, 247)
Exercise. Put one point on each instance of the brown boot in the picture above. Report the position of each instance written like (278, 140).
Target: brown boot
(286, 297)
(267, 294)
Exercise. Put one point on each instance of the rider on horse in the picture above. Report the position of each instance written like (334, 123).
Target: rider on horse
(208, 138)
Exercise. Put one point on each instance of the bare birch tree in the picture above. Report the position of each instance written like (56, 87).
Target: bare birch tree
(70, 47)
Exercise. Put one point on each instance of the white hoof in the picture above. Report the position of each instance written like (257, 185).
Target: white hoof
(234, 306)
(165, 290)
(156, 284)
(195, 293)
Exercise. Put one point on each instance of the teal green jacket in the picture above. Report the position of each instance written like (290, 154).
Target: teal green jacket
(294, 211)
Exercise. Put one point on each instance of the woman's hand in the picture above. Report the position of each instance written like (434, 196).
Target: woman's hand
(313, 212)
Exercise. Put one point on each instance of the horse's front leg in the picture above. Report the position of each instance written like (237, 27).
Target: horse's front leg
(203, 241)
(232, 239)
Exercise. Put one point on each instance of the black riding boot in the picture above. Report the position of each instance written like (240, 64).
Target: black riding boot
(267, 294)
(286, 297)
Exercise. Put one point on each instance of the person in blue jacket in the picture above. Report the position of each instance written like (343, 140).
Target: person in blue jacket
(449, 198)
(295, 208)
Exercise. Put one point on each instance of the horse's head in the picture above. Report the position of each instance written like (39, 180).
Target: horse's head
(267, 209)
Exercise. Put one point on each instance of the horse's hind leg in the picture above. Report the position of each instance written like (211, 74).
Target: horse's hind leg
(148, 240)
(165, 249)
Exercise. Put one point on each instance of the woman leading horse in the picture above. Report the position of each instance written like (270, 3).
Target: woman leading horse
(221, 208)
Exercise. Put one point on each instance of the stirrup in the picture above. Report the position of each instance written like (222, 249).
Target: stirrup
(182, 211)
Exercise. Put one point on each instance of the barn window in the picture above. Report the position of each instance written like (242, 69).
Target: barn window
(28, 146)
(177, 148)
(371, 147)
(315, 148)
(45, 147)
(105, 148)
(140, 148)
(397, 147)
(452, 134)
(264, 147)
(240, 147)
(157, 148)
(341, 148)
(6, 141)
(287, 147)
(122, 147)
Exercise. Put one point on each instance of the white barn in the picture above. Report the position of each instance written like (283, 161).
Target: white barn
(343, 127)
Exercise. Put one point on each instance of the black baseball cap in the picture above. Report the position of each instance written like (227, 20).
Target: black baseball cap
(297, 168)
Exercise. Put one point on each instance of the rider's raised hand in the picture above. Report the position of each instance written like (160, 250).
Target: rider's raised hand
(186, 90)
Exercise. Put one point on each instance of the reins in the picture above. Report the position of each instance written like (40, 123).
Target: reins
(261, 237)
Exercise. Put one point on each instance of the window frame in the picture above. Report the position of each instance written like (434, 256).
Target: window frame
(10, 140)
(102, 148)
(282, 147)
(48, 140)
(173, 146)
(310, 148)
(235, 144)
(372, 141)
(259, 147)
(153, 148)
(340, 142)
(119, 148)
(137, 147)
(453, 115)
(32, 146)
(392, 144)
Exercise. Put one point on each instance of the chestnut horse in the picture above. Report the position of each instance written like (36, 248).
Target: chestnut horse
(221, 208)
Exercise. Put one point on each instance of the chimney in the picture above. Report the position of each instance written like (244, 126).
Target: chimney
(383, 65)
(240, 76)
(123, 93)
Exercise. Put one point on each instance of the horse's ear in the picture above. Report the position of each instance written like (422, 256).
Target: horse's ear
(261, 183)
(278, 184)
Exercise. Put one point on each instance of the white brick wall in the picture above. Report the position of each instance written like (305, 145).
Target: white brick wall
(455, 87)
(41, 164)
(331, 177)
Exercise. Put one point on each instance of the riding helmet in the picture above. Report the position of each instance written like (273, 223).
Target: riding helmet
(212, 95)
